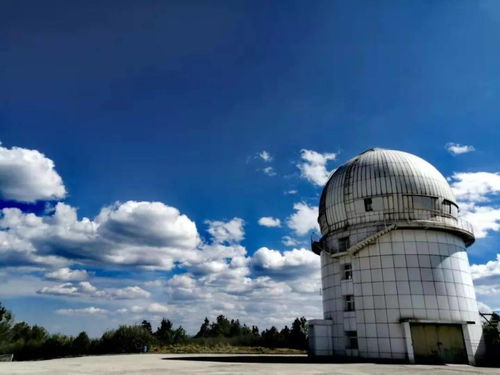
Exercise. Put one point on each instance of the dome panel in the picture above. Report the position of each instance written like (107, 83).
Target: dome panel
(380, 185)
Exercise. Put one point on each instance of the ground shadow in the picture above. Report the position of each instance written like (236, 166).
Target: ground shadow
(273, 359)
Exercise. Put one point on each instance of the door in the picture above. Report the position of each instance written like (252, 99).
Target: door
(442, 343)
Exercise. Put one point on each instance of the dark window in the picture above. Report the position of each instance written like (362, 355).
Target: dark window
(349, 303)
(343, 244)
(347, 271)
(351, 339)
(450, 208)
(368, 204)
(423, 203)
(447, 207)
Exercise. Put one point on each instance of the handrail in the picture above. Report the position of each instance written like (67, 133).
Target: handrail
(363, 243)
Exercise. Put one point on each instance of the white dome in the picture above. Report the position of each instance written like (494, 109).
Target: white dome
(386, 186)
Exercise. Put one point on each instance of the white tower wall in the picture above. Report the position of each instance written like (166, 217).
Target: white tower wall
(406, 275)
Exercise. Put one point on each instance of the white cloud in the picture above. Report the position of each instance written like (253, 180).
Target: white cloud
(153, 308)
(304, 219)
(157, 308)
(482, 218)
(268, 221)
(313, 166)
(131, 292)
(491, 268)
(285, 264)
(28, 176)
(149, 235)
(457, 149)
(83, 288)
(266, 156)
(67, 274)
(269, 171)
(92, 311)
(291, 192)
(66, 289)
(147, 223)
(475, 192)
(226, 231)
(86, 289)
(475, 186)
(289, 241)
(487, 284)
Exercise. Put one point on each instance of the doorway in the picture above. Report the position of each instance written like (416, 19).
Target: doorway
(438, 343)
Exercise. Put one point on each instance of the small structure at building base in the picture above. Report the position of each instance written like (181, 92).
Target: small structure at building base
(396, 279)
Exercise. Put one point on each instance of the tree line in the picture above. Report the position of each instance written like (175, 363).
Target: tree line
(28, 342)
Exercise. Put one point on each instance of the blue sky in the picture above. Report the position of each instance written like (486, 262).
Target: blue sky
(174, 101)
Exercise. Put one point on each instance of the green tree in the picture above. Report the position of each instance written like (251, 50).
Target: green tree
(6, 321)
(81, 344)
(271, 337)
(180, 335)
(204, 329)
(165, 333)
(147, 326)
(298, 333)
(221, 327)
(126, 339)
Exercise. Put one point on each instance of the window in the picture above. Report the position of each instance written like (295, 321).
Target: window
(343, 244)
(347, 271)
(423, 203)
(368, 204)
(349, 303)
(351, 339)
(449, 208)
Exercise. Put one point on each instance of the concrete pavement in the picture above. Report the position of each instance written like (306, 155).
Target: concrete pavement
(206, 364)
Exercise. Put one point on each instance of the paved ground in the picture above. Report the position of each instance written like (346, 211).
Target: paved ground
(145, 364)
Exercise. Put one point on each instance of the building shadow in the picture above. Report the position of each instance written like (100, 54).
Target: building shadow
(269, 358)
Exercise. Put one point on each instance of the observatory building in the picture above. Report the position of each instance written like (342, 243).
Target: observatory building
(396, 281)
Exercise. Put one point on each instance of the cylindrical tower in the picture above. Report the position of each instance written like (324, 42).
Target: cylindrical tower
(396, 279)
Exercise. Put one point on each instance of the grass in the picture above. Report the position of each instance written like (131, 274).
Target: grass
(222, 349)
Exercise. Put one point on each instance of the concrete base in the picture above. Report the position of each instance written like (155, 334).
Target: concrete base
(320, 337)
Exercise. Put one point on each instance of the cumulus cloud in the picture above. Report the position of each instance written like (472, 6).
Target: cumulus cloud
(285, 264)
(86, 289)
(226, 231)
(491, 268)
(149, 235)
(476, 193)
(67, 274)
(92, 311)
(482, 218)
(28, 176)
(66, 289)
(457, 149)
(147, 223)
(152, 308)
(268, 221)
(304, 219)
(313, 166)
(475, 186)
(131, 292)
(83, 288)
(487, 284)
(266, 156)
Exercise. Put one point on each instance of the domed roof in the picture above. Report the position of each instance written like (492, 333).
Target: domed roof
(382, 185)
